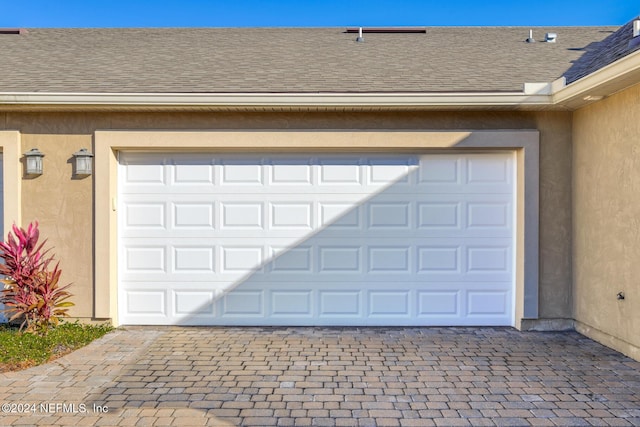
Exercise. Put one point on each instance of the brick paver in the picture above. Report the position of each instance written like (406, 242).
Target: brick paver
(329, 377)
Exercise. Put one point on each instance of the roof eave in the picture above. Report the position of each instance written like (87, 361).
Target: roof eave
(608, 80)
(235, 101)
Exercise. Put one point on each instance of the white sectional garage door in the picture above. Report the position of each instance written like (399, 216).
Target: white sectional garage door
(208, 239)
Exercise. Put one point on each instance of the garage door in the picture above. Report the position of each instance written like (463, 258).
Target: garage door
(209, 239)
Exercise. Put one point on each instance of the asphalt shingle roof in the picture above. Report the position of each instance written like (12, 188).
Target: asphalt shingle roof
(291, 60)
(600, 54)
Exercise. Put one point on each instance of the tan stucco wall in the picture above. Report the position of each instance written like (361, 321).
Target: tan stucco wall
(64, 206)
(606, 206)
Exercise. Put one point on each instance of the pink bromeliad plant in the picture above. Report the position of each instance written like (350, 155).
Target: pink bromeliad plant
(31, 293)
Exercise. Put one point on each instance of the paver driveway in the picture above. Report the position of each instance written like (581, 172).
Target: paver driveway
(329, 376)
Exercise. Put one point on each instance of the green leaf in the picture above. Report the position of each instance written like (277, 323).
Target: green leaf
(65, 304)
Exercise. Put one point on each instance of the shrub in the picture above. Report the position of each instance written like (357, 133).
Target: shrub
(32, 293)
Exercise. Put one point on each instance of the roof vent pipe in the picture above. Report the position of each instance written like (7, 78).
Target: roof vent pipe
(360, 38)
(636, 28)
(531, 39)
(550, 37)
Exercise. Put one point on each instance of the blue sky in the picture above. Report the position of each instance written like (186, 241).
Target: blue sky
(314, 13)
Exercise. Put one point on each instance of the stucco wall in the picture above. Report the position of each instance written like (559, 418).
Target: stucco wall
(606, 206)
(64, 206)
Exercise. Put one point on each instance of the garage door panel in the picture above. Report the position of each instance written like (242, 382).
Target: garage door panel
(145, 302)
(291, 175)
(147, 174)
(291, 261)
(292, 236)
(299, 220)
(377, 302)
(339, 303)
(167, 256)
(145, 259)
(487, 303)
(197, 173)
(239, 259)
(397, 188)
(342, 215)
(391, 232)
(243, 304)
(488, 259)
(193, 215)
(231, 259)
(437, 304)
(340, 260)
(242, 216)
(389, 259)
(389, 303)
(342, 298)
(340, 171)
(176, 299)
(291, 303)
(291, 215)
(489, 170)
(316, 240)
(193, 303)
(194, 259)
(145, 215)
(443, 169)
(388, 214)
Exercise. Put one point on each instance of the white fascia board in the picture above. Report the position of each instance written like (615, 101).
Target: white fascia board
(276, 99)
(617, 70)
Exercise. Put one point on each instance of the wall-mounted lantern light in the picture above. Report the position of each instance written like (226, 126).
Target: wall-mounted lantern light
(83, 161)
(33, 160)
